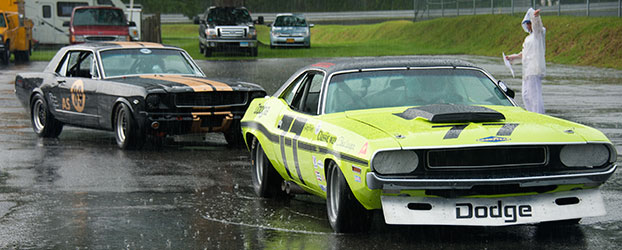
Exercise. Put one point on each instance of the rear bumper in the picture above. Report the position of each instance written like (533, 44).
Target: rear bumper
(375, 181)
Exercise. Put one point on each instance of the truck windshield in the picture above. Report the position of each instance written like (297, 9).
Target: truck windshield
(2, 22)
(228, 16)
(105, 16)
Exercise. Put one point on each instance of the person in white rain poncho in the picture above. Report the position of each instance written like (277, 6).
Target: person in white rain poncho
(534, 65)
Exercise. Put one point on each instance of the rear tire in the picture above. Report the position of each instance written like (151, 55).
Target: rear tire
(43, 122)
(126, 129)
(345, 213)
(266, 181)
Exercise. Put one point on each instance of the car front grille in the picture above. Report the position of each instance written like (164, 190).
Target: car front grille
(210, 99)
(232, 32)
(100, 38)
(486, 157)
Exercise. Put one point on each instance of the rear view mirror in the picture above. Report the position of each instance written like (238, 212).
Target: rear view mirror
(506, 89)
(132, 24)
(196, 20)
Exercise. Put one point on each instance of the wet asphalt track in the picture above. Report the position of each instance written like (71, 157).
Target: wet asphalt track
(79, 191)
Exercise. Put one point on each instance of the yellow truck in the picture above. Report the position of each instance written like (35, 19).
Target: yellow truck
(15, 32)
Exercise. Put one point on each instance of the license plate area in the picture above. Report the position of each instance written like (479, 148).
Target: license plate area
(290, 40)
(243, 44)
(492, 211)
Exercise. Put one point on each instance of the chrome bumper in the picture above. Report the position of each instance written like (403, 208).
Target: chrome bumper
(375, 181)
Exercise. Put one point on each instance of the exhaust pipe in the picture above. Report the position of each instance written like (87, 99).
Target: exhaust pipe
(292, 188)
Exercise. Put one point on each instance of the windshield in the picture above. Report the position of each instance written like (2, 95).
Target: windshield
(228, 16)
(2, 22)
(105, 16)
(393, 88)
(290, 21)
(123, 62)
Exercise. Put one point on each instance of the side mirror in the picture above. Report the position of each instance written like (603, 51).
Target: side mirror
(66, 24)
(196, 20)
(311, 25)
(260, 20)
(506, 89)
(132, 24)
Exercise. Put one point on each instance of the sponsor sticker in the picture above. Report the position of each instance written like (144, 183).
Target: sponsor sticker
(357, 178)
(145, 51)
(363, 150)
(493, 139)
(510, 213)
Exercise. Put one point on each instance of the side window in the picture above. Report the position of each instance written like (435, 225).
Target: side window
(78, 64)
(47, 11)
(308, 94)
(288, 94)
(65, 8)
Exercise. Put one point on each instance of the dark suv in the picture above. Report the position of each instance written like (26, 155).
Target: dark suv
(227, 28)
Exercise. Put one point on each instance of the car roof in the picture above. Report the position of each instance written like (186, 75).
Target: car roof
(96, 7)
(332, 66)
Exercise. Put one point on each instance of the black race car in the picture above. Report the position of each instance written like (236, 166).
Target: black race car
(134, 89)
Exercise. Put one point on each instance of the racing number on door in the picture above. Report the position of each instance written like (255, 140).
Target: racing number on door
(78, 98)
(506, 129)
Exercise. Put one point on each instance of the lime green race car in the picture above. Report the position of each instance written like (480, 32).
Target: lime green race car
(430, 142)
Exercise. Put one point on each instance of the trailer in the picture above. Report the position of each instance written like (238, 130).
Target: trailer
(50, 15)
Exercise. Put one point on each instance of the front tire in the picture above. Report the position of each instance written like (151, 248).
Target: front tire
(126, 129)
(207, 52)
(6, 54)
(345, 213)
(43, 122)
(266, 181)
(234, 135)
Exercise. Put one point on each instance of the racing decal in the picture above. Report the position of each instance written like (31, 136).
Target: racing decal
(510, 213)
(285, 123)
(326, 137)
(493, 139)
(282, 143)
(357, 178)
(78, 98)
(261, 110)
(276, 138)
(506, 129)
(297, 128)
(454, 132)
(363, 150)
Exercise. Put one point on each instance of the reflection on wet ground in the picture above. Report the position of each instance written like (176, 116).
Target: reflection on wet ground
(80, 191)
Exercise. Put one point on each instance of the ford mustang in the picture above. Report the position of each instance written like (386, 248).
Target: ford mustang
(137, 90)
(428, 142)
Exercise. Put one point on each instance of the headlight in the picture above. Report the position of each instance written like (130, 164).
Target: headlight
(153, 101)
(587, 155)
(78, 39)
(252, 33)
(211, 33)
(395, 162)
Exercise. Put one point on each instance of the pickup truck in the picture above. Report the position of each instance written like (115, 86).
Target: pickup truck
(15, 37)
(227, 29)
(98, 24)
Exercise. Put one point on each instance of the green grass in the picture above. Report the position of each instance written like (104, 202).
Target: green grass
(592, 41)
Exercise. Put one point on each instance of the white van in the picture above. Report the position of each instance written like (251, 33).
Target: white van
(49, 15)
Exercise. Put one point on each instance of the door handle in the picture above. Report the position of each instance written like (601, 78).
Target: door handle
(61, 82)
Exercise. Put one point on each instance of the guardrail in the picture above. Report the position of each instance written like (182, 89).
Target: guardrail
(427, 9)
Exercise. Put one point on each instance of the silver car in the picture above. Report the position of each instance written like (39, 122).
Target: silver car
(290, 30)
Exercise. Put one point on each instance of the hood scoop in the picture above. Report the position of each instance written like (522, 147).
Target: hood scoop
(450, 113)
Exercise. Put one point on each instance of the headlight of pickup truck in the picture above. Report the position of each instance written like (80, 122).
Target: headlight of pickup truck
(211, 33)
(395, 162)
(78, 39)
(586, 155)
